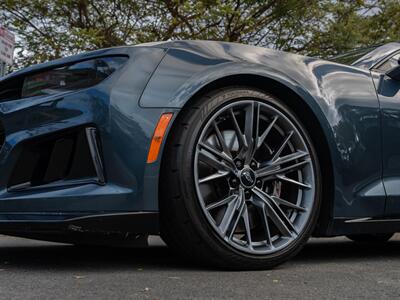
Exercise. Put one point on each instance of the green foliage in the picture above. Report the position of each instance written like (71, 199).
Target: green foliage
(48, 29)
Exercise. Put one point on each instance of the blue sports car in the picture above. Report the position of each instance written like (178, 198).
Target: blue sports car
(234, 154)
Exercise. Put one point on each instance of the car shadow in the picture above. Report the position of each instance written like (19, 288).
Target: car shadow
(340, 249)
(44, 256)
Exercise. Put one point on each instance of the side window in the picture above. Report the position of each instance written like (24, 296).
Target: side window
(67, 78)
(389, 64)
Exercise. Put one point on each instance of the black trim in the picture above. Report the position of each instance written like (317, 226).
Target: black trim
(91, 136)
(364, 226)
(133, 222)
(56, 184)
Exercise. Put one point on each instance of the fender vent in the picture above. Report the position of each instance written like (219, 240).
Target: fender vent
(64, 158)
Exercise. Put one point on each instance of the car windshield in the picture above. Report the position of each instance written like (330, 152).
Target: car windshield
(349, 58)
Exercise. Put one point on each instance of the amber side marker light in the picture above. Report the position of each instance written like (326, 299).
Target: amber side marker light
(158, 136)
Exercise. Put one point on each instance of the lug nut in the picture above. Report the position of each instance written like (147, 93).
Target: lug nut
(234, 182)
(258, 183)
(253, 165)
(247, 193)
(239, 164)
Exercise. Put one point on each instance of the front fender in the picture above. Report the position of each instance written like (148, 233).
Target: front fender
(342, 98)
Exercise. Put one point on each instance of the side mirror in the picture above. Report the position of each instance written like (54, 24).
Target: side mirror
(394, 73)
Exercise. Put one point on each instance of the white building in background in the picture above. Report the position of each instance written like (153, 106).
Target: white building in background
(7, 42)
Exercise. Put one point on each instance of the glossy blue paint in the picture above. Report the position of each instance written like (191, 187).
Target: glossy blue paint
(342, 98)
(125, 131)
(163, 77)
(388, 91)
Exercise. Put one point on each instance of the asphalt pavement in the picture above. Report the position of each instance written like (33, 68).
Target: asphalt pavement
(327, 268)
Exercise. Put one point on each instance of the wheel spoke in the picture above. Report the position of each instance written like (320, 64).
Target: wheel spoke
(264, 135)
(250, 133)
(213, 176)
(295, 182)
(282, 147)
(238, 215)
(264, 216)
(212, 161)
(238, 131)
(249, 124)
(275, 170)
(291, 157)
(246, 221)
(251, 130)
(294, 167)
(229, 216)
(222, 202)
(235, 222)
(274, 167)
(283, 202)
(221, 155)
(221, 140)
(277, 216)
(209, 155)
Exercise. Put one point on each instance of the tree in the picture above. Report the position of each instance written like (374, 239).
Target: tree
(352, 24)
(48, 29)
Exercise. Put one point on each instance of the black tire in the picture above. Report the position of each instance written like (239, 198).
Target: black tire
(377, 238)
(183, 224)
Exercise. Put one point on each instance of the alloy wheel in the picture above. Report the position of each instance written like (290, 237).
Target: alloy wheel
(254, 176)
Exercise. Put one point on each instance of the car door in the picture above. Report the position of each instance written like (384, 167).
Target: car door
(388, 90)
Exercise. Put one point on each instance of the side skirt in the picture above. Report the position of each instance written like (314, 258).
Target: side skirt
(363, 226)
(94, 229)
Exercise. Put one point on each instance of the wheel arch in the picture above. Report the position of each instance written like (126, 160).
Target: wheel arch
(313, 126)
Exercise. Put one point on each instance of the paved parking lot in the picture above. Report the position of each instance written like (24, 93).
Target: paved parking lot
(326, 268)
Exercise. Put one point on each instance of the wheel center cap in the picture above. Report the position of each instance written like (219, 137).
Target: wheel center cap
(248, 178)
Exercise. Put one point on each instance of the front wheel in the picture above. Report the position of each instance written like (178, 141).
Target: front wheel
(240, 181)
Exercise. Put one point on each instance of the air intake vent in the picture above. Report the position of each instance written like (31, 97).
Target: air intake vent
(64, 158)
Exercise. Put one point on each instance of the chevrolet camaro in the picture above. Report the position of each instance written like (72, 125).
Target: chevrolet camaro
(236, 155)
